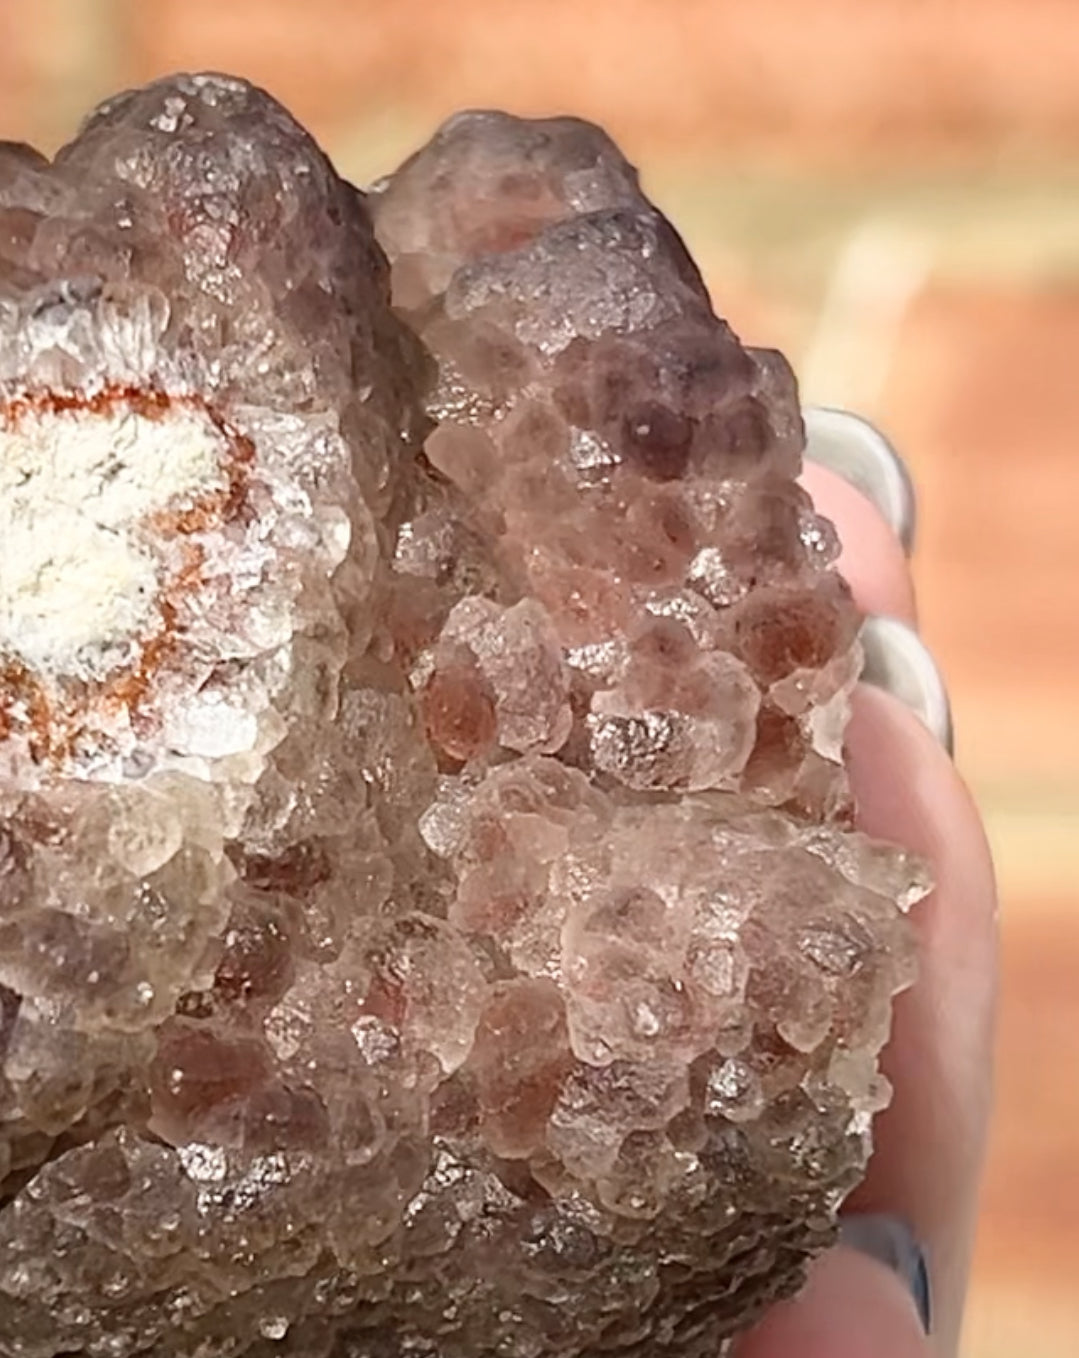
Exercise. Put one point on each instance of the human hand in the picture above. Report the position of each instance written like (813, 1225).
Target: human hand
(926, 1167)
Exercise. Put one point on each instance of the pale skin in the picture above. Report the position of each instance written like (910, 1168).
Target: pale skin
(930, 1144)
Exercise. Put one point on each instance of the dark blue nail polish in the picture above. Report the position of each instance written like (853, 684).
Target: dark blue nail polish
(891, 1242)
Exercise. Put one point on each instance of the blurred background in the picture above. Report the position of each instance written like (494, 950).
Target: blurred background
(888, 190)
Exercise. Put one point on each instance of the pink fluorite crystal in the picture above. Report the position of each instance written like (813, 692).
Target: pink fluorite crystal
(431, 918)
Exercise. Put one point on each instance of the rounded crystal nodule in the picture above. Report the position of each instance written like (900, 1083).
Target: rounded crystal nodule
(429, 897)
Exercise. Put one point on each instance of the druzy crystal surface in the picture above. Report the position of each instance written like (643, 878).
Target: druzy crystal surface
(431, 914)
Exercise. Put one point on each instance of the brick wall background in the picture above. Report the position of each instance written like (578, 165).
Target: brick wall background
(848, 77)
(888, 190)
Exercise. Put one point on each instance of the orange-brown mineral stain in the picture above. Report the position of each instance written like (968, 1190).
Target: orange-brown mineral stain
(56, 718)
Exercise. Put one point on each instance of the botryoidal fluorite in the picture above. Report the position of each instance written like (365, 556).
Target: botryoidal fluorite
(431, 918)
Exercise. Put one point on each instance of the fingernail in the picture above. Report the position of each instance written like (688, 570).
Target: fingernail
(858, 452)
(891, 1242)
(898, 661)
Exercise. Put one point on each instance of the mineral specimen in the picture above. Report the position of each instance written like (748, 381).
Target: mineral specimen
(431, 915)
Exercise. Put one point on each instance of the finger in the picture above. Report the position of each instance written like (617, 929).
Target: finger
(862, 455)
(872, 559)
(851, 1307)
(930, 1142)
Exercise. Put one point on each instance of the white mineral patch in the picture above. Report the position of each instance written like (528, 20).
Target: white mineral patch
(77, 578)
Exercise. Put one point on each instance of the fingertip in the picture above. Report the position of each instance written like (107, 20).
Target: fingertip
(852, 1306)
(872, 560)
(909, 791)
(858, 451)
(930, 1143)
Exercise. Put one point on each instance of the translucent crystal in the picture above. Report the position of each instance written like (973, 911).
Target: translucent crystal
(431, 918)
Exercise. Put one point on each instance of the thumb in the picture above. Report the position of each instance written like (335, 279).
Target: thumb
(853, 1306)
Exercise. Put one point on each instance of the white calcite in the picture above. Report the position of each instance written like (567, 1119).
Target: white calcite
(79, 577)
